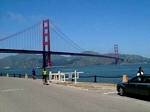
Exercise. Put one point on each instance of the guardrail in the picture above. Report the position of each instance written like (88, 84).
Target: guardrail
(19, 75)
(93, 78)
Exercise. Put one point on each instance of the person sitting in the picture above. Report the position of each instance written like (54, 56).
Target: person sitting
(140, 72)
(33, 74)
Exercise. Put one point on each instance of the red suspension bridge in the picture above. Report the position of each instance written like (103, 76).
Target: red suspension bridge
(40, 39)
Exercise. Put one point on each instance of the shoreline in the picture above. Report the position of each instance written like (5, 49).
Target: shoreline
(88, 85)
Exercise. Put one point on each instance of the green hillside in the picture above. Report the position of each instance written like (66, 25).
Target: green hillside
(27, 61)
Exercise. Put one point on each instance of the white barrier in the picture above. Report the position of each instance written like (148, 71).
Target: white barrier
(62, 77)
(57, 76)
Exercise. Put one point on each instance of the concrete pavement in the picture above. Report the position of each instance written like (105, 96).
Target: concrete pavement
(26, 95)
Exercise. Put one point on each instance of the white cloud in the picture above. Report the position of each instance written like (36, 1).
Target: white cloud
(37, 17)
(15, 16)
(18, 17)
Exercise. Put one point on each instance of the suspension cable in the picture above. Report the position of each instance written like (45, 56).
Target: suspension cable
(57, 30)
(20, 32)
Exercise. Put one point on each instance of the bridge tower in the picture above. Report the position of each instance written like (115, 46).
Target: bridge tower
(116, 53)
(46, 44)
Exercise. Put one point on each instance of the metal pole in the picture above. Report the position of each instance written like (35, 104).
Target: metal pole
(75, 76)
(95, 78)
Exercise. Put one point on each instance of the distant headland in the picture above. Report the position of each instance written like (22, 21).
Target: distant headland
(27, 61)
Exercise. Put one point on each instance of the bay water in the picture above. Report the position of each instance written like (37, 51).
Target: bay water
(106, 73)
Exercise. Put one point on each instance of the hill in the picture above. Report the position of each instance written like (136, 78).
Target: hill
(26, 61)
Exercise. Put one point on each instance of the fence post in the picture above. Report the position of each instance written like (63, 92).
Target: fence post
(7, 75)
(125, 78)
(64, 77)
(50, 75)
(95, 78)
(59, 75)
(75, 76)
(26, 76)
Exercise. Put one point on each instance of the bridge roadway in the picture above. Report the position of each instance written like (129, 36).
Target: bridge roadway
(55, 53)
(23, 95)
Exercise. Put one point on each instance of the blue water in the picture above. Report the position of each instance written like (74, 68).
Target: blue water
(99, 70)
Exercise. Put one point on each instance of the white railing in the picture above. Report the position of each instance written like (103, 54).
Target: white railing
(63, 76)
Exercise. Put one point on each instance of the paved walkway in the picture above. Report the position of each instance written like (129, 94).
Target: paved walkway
(23, 95)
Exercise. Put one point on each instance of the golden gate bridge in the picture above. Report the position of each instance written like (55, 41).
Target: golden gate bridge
(38, 39)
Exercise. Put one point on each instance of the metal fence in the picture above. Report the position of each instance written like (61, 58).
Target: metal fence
(82, 78)
(19, 75)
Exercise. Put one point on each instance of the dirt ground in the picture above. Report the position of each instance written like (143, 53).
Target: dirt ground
(89, 86)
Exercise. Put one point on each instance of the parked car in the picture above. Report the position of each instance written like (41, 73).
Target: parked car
(139, 85)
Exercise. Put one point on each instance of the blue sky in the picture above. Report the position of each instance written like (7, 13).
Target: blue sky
(94, 24)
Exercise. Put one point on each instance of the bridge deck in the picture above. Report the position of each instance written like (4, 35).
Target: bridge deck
(55, 52)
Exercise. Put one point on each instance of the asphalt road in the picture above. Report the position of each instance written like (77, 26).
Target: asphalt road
(22, 95)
